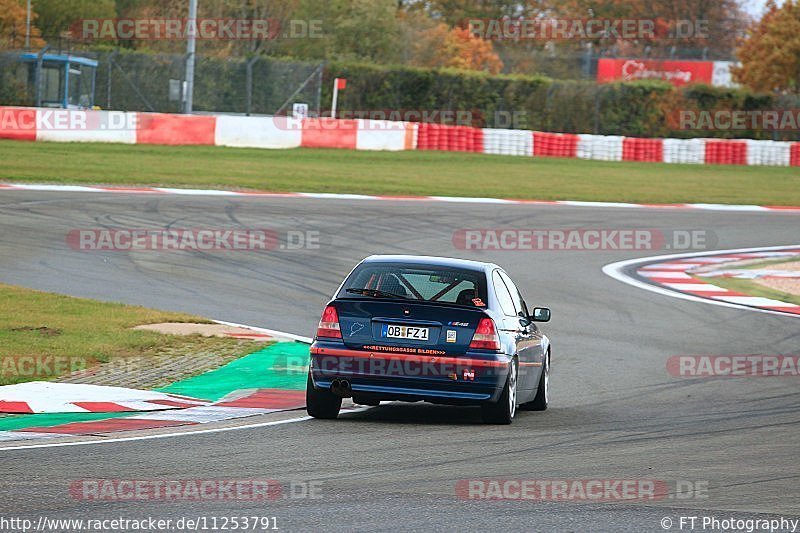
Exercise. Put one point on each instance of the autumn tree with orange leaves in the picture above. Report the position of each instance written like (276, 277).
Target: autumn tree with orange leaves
(442, 47)
(471, 53)
(13, 16)
(770, 55)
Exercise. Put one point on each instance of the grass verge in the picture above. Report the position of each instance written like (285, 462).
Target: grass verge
(750, 288)
(44, 336)
(396, 173)
(764, 264)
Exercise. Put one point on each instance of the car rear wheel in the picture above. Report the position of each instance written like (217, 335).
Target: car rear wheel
(321, 403)
(542, 399)
(502, 411)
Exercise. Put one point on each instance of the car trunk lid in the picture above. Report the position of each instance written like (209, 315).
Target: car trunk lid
(366, 323)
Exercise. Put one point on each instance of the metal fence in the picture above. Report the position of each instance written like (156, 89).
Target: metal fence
(155, 82)
(146, 82)
(15, 85)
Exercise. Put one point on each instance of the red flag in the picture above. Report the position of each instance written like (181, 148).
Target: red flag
(341, 83)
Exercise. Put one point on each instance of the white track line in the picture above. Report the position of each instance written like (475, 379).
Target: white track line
(368, 197)
(160, 436)
(274, 333)
(616, 271)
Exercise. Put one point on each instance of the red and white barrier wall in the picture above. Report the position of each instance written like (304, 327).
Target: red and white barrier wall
(358, 134)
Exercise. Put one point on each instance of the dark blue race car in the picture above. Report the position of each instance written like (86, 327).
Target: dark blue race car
(433, 329)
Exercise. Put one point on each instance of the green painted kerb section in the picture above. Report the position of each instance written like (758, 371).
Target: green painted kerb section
(14, 422)
(283, 365)
(280, 366)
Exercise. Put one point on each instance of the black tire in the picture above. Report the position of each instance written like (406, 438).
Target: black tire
(321, 403)
(502, 411)
(542, 398)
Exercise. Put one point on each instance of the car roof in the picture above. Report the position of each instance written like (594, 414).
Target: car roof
(449, 262)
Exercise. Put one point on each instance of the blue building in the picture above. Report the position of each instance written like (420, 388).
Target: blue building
(55, 80)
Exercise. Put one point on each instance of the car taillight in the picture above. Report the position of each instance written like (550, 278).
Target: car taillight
(485, 337)
(329, 324)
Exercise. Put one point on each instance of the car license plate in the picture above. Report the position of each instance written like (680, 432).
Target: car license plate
(405, 332)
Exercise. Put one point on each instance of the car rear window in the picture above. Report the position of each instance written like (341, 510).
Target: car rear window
(419, 282)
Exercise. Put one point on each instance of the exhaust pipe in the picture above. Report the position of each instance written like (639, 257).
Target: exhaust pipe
(341, 388)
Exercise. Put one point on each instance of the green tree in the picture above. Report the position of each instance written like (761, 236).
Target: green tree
(458, 12)
(56, 16)
(369, 30)
(350, 29)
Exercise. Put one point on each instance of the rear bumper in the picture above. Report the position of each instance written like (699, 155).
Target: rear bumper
(471, 378)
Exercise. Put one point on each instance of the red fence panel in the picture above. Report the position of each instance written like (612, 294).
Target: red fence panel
(477, 140)
(161, 128)
(423, 136)
(18, 123)
(330, 133)
(635, 149)
(794, 158)
(555, 144)
(724, 152)
(449, 138)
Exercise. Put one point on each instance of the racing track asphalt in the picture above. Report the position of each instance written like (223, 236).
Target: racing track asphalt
(616, 412)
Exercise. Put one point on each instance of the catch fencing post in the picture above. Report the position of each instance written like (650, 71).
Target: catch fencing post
(108, 81)
(249, 82)
(28, 27)
(321, 68)
(38, 74)
(190, 52)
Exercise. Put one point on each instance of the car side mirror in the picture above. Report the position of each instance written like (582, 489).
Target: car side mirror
(540, 314)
